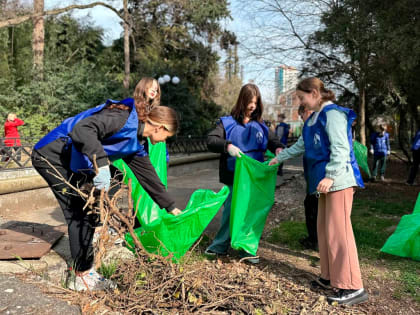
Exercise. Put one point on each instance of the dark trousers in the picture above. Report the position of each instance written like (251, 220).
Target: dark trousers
(81, 225)
(311, 215)
(415, 167)
(379, 162)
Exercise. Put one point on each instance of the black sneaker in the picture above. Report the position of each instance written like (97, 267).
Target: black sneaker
(349, 297)
(211, 253)
(321, 283)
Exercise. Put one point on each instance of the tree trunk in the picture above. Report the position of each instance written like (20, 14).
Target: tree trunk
(38, 39)
(126, 81)
(362, 114)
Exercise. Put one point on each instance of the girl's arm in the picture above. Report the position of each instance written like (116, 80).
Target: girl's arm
(150, 181)
(295, 150)
(387, 144)
(216, 140)
(88, 133)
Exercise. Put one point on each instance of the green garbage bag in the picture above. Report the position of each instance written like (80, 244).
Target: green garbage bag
(162, 233)
(405, 241)
(361, 154)
(253, 196)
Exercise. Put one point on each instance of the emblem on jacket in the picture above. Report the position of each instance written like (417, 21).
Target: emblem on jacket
(259, 137)
(317, 140)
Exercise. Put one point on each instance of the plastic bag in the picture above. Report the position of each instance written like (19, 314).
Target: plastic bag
(253, 196)
(163, 233)
(405, 241)
(361, 154)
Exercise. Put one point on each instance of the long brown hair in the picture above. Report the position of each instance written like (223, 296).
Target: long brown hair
(165, 116)
(246, 94)
(141, 99)
(313, 83)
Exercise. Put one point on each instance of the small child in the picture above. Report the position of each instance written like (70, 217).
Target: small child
(379, 147)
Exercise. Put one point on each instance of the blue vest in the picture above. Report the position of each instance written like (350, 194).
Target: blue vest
(380, 143)
(119, 145)
(251, 138)
(317, 147)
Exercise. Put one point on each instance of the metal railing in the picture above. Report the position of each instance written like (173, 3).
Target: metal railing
(19, 156)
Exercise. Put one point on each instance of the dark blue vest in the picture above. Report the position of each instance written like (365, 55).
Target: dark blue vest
(317, 147)
(416, 142)
(119, 145)
(379, 143)
(251, 138)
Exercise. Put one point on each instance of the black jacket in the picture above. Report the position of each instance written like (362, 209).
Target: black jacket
(87, 136)
(216, 142)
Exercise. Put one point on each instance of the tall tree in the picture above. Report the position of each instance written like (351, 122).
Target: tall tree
(126, 81)
(38, 38)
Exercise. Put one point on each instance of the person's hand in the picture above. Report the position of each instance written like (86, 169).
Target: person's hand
(278, 150)
(103, 179)
(274, 161)
(371, 151)
(325, 185)
(234, 150)
(175, 211)
(388, 152)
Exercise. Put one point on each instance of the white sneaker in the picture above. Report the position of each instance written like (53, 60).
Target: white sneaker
(91, 281)
(382, 178)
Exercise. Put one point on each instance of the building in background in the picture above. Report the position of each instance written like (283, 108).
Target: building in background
(285, 80)
(286, 101)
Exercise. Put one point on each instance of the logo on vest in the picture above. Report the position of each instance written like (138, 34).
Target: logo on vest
(317, 140)
(259, 137)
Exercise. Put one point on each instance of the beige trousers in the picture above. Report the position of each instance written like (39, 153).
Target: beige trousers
(337, 247)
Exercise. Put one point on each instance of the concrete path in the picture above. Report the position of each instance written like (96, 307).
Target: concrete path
(22, 298)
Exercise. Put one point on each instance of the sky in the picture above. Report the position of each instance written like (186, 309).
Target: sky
(247, 23)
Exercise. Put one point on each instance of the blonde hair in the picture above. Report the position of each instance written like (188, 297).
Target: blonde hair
(163, 116)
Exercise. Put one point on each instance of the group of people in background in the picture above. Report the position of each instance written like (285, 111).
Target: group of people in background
(119, 129)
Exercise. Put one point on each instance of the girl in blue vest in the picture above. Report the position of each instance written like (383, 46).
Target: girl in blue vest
(379, 147)
(107, 132)
(243, 132)
(416, 159)
(332, 173)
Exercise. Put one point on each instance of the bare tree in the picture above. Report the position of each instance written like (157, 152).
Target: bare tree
(38, 38)
(126, 81)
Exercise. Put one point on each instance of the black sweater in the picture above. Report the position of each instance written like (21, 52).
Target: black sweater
(216, 142)
(86, 137)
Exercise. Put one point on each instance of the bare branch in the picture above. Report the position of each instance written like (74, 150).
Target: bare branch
(24, 18)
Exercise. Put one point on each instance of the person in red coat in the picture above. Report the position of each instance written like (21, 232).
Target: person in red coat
(11, 134)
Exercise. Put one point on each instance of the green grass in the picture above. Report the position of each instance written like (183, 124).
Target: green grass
(373, 222)
(107, 270)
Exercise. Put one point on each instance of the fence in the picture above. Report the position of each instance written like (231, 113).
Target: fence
(18, 157)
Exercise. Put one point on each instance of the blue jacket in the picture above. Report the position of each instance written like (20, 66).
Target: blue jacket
(380, 143)
(120, 144)
(317, 148)
(416, 141)
(251, 138)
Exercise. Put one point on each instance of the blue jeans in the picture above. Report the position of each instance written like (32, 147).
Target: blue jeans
(222, 241)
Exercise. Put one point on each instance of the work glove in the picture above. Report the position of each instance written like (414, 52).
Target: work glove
(175, 211)
(371, 151)
(103, 178)
(234, 150)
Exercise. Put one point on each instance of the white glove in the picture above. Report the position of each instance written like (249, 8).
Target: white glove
(234, 150)
(371, 151)
(175, 211)
(388, 152)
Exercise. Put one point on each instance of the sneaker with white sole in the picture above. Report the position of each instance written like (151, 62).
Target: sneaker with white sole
(91, 281)
(349, 297)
